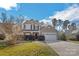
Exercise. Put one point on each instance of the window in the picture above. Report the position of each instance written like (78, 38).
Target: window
(32, 27)
(36, 27)
(27, 26)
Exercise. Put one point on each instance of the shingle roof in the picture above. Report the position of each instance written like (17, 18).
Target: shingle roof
(47, 29)
(30, 22)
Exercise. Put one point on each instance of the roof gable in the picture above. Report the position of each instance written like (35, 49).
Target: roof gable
(47, 29)
(30, 22)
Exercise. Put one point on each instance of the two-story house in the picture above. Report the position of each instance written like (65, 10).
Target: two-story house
(30, 27)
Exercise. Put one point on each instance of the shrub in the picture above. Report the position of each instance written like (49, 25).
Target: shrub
(28, 37)
(3, 44)
(2, 36)
(72, 39)
(77, 37)
(63, 37)
(41, 38)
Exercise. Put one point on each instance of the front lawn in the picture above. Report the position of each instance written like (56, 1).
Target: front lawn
(28, 49)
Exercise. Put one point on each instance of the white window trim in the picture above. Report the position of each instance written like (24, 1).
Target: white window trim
(27, 26)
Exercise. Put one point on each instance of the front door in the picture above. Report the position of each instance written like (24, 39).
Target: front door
(35, 35)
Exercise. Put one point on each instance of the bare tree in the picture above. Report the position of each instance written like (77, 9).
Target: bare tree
(60, 23)
(42, 23)
(54, 22)
(20, 19)
(72, 27)
(3, 17)
(65, 24)
(11, 19)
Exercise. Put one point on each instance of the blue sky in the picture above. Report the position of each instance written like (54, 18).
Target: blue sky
(36, 11)
(43, 11)
(40, 11)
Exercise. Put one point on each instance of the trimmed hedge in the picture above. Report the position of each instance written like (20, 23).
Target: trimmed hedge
(31, 37)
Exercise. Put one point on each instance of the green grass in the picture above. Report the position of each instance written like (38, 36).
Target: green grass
(28, 49)
(2, 45)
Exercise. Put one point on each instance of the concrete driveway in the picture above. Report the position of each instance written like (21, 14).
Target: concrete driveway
(64, 48)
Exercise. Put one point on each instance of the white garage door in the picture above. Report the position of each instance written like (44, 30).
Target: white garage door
(50, 37)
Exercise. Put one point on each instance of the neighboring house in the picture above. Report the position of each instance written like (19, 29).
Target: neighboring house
(30, 27)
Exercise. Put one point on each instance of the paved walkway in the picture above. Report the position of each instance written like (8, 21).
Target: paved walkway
(64, 48)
